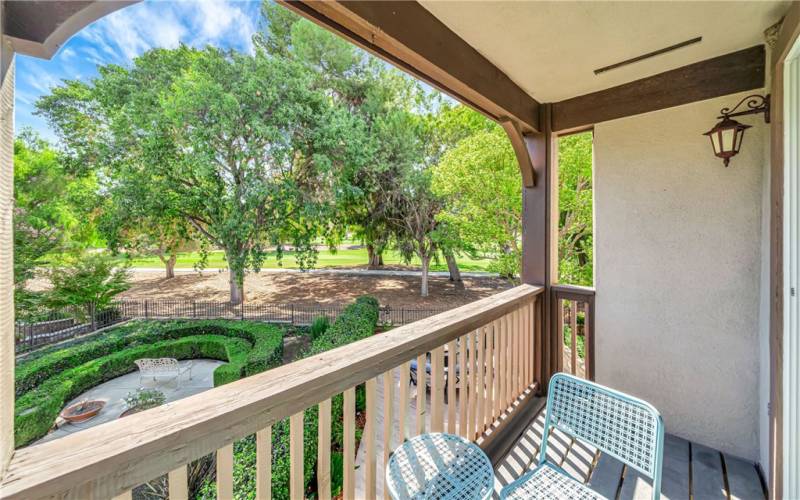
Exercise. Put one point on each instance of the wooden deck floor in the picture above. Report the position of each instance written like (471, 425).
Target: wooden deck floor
(691, 471)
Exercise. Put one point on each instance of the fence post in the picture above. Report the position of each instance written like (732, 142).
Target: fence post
(194, 309)
(292, 320)
(241, 309)
(146, 313)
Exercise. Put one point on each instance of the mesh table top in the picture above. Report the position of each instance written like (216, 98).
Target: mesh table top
(439, 466)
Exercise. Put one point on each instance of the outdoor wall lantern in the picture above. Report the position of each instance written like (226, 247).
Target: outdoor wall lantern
(726, 136)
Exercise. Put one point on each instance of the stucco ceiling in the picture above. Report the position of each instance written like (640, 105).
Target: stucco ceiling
(551, 49)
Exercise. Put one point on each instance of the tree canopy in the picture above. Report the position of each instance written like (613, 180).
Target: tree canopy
(304, 141)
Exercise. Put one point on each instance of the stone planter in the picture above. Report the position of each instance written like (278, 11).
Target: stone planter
(82, 411)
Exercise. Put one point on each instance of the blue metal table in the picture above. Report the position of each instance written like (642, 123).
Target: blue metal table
(439, 466)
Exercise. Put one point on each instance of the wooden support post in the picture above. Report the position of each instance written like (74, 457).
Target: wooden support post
(539, 205)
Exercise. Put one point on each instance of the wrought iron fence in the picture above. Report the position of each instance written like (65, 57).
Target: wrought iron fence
(59, 325)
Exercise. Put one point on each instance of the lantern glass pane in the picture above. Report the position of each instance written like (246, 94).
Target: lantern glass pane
(739, 137)
(728, 137)
(715, 142)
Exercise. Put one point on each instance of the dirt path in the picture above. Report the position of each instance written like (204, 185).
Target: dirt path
(313, 288)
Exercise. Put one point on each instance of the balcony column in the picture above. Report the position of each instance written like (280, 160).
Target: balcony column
(537, 152)
(6, 251)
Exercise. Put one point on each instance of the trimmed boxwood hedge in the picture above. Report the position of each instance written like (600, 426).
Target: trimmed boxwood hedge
(46, 383)
(356, 322)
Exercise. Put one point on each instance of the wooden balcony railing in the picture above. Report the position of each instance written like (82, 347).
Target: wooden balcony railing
(573, 323)
(492, 343)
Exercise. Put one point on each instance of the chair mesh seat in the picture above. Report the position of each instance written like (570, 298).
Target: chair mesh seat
(439, 466)
(545, 483)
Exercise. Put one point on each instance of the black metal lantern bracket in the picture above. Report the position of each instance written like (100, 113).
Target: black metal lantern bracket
(754, 103)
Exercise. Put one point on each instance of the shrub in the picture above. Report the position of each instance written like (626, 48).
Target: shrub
(319, 326)
(46, 383)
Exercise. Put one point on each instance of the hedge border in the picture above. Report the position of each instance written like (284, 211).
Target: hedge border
(248, 348)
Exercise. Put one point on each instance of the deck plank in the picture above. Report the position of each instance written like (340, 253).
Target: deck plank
(579, 460)
(707, 479)
(636, 486)
(605, 476)
(743, 479)
(675, 472)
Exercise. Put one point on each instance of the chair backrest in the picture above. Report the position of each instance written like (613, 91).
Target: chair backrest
(157, 365)
(627, 428)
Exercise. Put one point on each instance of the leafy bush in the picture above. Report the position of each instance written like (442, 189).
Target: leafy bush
(143, 399)
(46, 383)
(319, 326)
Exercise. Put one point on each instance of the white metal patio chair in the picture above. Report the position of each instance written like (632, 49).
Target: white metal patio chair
(624, 427)
(168, 368)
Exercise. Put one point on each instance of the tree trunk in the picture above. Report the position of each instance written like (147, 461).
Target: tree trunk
(426, 261)
(455, 274)
(237, 290)
(375, 258)
(170, 264)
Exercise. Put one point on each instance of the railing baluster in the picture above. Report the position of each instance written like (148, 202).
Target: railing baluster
(452, 378)
(437, 390)
(528, 343)
(388, 414)
(537, 343)
(349, 445)
(369, 439)
(573, 327)
(463, 389)
(421, 390)
(517, 352)
(324, 451)
(264, 464)
(488, 402)
(178, 483)
(471, 390)
(496, 369)
(480, 396)
(296, 479)
(225, 472)
(403, 402)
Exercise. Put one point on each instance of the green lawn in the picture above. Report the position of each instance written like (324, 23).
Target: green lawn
(342, 257)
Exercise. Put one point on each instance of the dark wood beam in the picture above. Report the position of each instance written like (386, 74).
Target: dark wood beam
(407, 35)
(723, 75)
(518, 142)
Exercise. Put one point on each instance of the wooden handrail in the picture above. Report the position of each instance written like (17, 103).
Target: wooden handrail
(114, 457)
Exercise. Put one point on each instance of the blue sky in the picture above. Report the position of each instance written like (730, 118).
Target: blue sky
(127, 33)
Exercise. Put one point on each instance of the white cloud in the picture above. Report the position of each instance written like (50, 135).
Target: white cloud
(132, 31)
(67, 54)
(41, 81)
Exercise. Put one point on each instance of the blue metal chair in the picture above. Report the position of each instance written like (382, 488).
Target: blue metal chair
(624, 427)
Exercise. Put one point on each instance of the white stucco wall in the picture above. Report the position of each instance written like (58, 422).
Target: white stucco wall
(678, 271)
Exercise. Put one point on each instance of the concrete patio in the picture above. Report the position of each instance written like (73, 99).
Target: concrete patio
(114, 391)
